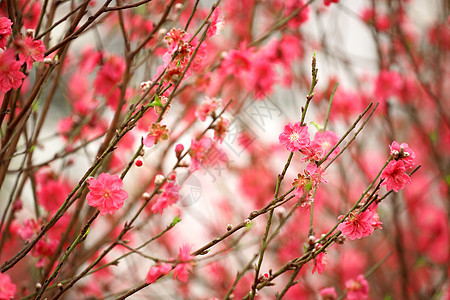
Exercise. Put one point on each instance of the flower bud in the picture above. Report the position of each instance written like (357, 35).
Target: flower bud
(159, 179)
(179, 148)
(139, 162)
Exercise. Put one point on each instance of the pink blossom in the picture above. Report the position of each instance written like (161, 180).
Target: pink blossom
(380, 21)
(302, 185)
(5, 31)
(295, 137)
(320, 262)
(376, 222)
(328, 293)
(357, 225)
(402, 153)
(30, 51)
(237, 62)
(109, 76)
(394, 176)
(44, 249)
(157, 133)
(357, 289)
(90, 58)
(183, 268)
(261, 77)
(207, 108)
(10, 75)
(216, 23)
(30, 227)
(157, 271)
(106, 193)
(328, 2)
(324, 141)
(7, 288)
(388, 84)
(178, 39)
(52, 193)
(301, 17)
(315, 173)
(221, 129)
(199, 151)
(169, 196)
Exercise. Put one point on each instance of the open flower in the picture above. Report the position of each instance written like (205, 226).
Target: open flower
(394, 175)
(106, 193)
(7, 288)
(357, 289)
(157, 271)
(156, 133)
(295, 137)
(357, 226)
(183, 268)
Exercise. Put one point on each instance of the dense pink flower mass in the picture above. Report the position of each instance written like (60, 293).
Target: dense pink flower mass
(357, 226)
(357, 289)
(157, 271)
(10, 75)
(295, 137)
(106, 193)
(7, 288)
(395, 177)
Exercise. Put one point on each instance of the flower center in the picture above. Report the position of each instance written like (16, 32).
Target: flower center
(294, 137)
(106, 194)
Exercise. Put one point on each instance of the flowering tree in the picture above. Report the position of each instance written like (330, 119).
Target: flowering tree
(187, 149)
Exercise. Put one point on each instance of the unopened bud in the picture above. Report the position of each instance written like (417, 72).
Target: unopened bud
(280, 211)
(159, 179)
(60, 286)
(48, 60)
(311, 240)
(139, 162)
(162, 32)
(229, 227)
(38, 286)
(178, 7)
(30, 32)
(340, 239)
(145, 85)
(179, 148)
(146, 196)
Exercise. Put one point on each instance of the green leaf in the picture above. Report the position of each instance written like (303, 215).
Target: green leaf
(175, 221)
(32, 148)
(318, 126)
(249, 225)
(447, 179)
(156, 102)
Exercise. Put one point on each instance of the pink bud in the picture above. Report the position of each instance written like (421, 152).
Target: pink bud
(178, 150)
